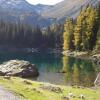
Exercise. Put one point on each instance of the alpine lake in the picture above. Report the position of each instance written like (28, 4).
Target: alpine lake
(58, 69)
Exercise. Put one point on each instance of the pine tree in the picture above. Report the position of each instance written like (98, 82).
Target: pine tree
(85, 29)
(78, 33)
(91, 17)
(97, 47)
(68, 35)
(98, 40)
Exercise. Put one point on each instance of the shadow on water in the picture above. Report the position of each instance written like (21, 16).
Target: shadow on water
(76, 71)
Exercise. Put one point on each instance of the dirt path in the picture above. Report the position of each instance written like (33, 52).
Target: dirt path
(7, 95)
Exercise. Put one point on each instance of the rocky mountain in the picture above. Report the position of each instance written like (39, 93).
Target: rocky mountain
(16, 5)
(40, 8)
(22, 6)
(67, 8)
(21, 10)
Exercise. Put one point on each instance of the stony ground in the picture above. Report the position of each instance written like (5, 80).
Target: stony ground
(7, 95)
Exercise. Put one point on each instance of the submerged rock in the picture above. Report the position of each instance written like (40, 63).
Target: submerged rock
(18, 68)
(96, 59)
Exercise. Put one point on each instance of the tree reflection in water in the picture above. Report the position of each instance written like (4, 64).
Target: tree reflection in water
(78, 72)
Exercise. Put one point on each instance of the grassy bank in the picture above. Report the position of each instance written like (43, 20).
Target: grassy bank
(44, 91)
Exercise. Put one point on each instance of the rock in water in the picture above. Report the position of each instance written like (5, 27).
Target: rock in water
(18, 68)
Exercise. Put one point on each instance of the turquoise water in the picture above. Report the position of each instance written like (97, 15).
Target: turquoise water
(77, 71)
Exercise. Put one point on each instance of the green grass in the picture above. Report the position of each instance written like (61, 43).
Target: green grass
(34, 92)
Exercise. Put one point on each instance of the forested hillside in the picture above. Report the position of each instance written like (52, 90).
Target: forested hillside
(80, 34)
(83, 33)
(23, 35)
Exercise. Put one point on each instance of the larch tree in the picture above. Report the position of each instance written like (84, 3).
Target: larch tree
(77, 33)
(91, 17)
(68, 35)
(98, 40)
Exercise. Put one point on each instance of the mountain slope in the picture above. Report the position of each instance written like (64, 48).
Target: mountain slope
(43, 15)
(21, 10)
(16, 5)
(67, 8)
(41, 8)
(22, 5)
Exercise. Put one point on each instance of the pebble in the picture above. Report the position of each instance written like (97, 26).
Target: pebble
(82, 96)
(70, 94)
(66, 98)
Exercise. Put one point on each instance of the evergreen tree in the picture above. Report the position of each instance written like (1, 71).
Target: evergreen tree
(68, 35)
(91, 18)
(86, 29)
(78, 33)
(98, 40)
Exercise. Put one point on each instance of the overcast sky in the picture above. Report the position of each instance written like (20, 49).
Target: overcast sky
(48, 2)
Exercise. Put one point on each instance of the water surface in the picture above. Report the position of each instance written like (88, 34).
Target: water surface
(77, 71)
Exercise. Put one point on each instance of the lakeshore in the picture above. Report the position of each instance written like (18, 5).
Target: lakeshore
(75, 70)
(87, 55)
(31, 90)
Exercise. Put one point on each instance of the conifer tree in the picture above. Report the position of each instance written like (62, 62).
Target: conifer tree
(98, 40)
(77, 33)
(91, 17)
(68, 35)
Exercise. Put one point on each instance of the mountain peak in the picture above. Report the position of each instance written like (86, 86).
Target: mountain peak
(11, 5)
(41, 14)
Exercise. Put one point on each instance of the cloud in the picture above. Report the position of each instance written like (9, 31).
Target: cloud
(49, 2)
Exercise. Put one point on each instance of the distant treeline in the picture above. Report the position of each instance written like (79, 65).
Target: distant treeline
(23, 35)
(83, 33)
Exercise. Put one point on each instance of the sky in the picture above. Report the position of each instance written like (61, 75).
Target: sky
(46, 2)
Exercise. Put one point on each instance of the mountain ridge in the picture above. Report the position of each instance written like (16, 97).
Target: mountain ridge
(21, 10)
(68, 8)
(43, 15)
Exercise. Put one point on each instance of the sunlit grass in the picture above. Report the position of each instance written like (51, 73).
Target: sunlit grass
(18, 86)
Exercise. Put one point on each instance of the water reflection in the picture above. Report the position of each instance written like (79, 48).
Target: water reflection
(78, 72)
(58, 69)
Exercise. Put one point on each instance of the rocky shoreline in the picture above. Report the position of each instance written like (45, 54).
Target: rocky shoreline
(95, 57)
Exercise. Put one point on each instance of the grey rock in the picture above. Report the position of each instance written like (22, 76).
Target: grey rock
(7, 77)
(97, 81)
(96, 59)
(27, 82)
(82, 96)
(66, 98)
(18, 68)
(51, 88)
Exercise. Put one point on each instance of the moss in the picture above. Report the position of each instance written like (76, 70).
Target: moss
(32, 90)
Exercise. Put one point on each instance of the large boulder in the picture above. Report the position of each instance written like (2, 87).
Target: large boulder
(18, 68)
